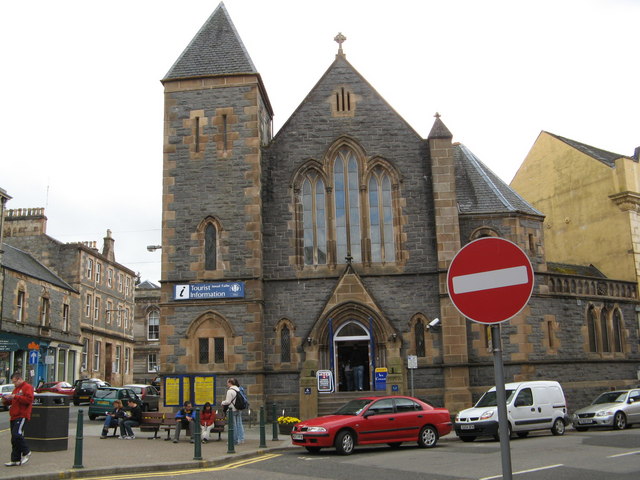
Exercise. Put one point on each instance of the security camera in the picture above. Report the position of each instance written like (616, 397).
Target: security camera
(434, 323)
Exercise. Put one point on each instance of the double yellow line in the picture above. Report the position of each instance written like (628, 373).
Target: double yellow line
(174, 473)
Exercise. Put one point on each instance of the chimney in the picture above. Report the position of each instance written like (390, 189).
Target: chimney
(107, 247)
(24, 222)
(636, 154)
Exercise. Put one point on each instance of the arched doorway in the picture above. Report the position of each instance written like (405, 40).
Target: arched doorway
(352, 357)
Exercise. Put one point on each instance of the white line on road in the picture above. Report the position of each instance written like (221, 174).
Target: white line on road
(624, 454)
(505, 277)
(526, 471)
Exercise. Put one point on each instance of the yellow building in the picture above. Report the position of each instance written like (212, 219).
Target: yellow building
(591, 202)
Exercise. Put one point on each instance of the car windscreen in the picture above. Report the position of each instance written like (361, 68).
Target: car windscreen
(100, 393)
(354, 407)
(490, 399)
(49, 385)
(610, 397)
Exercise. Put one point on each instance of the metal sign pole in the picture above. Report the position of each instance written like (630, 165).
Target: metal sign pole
(501, 397)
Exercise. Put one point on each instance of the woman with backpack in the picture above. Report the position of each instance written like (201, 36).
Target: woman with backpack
(230, 402)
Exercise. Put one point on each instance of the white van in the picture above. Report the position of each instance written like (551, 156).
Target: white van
(530, 406)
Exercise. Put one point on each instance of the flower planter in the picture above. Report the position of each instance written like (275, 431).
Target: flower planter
(285, 429)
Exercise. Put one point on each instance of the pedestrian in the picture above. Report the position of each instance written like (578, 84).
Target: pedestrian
(185, 420)
(132, 418)
(229, 402)
(21, 401)
(113, 418)
(207, 421)
(358, 362)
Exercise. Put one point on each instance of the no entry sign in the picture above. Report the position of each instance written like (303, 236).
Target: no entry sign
(490, 280)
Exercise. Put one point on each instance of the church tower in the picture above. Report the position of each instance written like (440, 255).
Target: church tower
(216, 118)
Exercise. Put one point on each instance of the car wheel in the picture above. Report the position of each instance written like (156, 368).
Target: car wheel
(522, 434)
(619, 421)
(468, 438)
(313, 449)
(581, 429)
(395, 444)
(558, 427)
(428, 437)
(92, 417)
(345, 442)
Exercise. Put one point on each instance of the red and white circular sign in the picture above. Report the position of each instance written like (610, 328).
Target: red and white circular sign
(490, 280)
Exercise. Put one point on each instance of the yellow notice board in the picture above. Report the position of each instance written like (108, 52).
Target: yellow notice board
(204, 388)
(172, 391)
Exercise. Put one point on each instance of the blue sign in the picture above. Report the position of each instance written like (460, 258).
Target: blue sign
(208, 291)
(395, 388)
(33, 357)
(307, 390)
(381, 378)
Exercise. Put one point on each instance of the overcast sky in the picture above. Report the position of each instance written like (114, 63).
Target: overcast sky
(82, 104)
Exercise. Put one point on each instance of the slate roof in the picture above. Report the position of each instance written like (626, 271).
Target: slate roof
(569, 269)
(147, 285)
(479, 190)
(22, 262)
(215, 50)
(608, 158)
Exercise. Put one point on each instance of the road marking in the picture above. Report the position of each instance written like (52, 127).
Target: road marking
(526, 471)
(190, 471)
(505, 277)
(624, 454)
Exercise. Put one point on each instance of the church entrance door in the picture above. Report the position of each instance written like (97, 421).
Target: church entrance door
(352, 357)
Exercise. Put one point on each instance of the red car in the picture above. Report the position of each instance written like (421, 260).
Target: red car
(370, 420)
(56, 387)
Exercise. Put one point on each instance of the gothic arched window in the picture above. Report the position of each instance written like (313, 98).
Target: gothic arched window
(592, 329)
(210, 250)
(420, 348)
(314, 221)
(285, 345)
(617, 330)
(381, 218)
(347, 205)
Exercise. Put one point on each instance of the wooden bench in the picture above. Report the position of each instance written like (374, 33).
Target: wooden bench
(219, 424)
(151, 422)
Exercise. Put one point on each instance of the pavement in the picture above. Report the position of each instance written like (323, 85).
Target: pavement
(100, 457)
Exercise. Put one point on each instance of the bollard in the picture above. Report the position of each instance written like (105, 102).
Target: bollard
(77, 461)
(231, 432)
(263, 433)
(196, 436)
(275, 422)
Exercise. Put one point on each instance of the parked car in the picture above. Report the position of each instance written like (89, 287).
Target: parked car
(103, 398)
(62, 388)
(84, 389)
(368, 420)
(5, 390)
(148, 394)
(537, 405)
(618, 409)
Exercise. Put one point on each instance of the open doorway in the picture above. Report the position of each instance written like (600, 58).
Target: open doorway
(352, 357)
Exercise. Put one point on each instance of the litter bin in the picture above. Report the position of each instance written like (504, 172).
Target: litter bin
(48, 429)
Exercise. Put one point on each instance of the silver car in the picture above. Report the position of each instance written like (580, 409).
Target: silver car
(617, 409)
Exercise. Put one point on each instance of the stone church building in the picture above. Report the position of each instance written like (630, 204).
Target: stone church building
(327, 244)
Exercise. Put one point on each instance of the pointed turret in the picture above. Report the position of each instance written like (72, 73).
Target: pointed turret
(215, 50)
(439, 129)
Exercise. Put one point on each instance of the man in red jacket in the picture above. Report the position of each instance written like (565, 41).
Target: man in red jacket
(21, 400)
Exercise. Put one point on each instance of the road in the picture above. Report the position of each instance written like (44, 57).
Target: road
(593, 455)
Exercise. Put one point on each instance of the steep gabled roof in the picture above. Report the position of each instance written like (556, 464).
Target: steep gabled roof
(19, 261)
(608, 158)
(479, 190)
(215, 50)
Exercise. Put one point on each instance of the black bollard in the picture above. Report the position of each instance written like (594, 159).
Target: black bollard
(77, 461)
(196, 436)
(231, 432)
(275, 422)
(263, 433)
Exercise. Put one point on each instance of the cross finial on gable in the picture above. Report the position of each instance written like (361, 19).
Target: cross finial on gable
(437, 115)
(340, 39)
